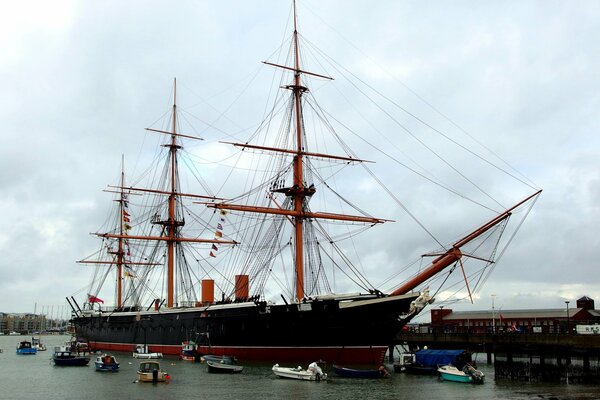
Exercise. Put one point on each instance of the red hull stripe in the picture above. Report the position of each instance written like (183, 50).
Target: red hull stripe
(353, 354)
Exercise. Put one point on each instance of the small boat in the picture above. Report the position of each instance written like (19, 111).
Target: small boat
(467, 375)
(419, 369)
(150, 371)
(312, 373)
(189, 351)
(375, 373)
(403, 361)
(427, 361)
(106, 363)
(76, 345)
(141, 351)
(218, 359)
(37, 343)
(223, 367)
(26, 348)
(63, 356)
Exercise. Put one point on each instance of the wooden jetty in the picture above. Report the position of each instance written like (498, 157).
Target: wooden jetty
(570, 358)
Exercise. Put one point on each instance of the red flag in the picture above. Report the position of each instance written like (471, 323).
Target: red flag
(126, 219)
(125, 213)
(94, 299)
(212, 254)
(214, 247)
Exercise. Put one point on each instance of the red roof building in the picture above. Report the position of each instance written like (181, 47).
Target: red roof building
(526, 321)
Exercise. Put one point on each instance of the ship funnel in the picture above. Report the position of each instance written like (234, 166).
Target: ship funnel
(208, 292)
(241, 287)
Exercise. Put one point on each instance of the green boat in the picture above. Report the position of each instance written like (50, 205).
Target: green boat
(467, 375)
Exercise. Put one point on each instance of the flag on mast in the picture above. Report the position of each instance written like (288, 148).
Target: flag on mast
(94, 299)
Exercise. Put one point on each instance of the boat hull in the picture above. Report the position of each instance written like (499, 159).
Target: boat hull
(455, 378)
(452, 374)
(360, 373)
(72, 362)
(145, 356)
(221, 368)
(348, 332)
(159, 376)
(101, 367)
(420, 369)
(297, 373)
(30, 351)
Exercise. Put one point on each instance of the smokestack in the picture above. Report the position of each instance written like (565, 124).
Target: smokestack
(241, 287)
(208, 291)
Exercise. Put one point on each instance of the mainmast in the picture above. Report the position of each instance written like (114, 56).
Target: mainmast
(298, 192)
(298, 181)
(172, 223)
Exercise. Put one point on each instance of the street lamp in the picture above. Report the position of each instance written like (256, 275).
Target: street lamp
(567, 303)
(493, 315)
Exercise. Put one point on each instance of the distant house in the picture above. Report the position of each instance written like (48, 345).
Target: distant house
(530, 321)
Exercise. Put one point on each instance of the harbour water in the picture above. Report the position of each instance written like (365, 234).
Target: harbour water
(36, 377)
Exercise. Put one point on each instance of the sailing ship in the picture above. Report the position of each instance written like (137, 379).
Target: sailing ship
(168, 244)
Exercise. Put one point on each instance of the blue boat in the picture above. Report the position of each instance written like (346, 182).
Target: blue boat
(427, 362)
(467, 374)
(106, 363)
(26, 348)
(376, 373)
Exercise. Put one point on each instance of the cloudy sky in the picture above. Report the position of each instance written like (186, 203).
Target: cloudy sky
(81, 80)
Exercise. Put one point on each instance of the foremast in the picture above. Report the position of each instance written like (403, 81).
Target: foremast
(172, 225)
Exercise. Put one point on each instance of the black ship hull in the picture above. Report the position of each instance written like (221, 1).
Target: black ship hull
(332, 330)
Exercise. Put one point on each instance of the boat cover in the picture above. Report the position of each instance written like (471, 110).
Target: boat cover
(433, 358)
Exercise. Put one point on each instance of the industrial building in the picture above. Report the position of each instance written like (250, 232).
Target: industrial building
(560, 320)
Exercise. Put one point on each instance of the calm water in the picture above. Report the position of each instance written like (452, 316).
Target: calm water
(36, 377)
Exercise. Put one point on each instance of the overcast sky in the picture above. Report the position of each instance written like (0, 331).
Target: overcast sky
(81, 80)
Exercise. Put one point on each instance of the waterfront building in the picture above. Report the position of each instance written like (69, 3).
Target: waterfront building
(557, 320)
(21, 323)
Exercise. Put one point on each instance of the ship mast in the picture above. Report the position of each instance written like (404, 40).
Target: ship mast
(298, 181)
(120, 251)
(122, 236)
(298, 192)
(172, 225)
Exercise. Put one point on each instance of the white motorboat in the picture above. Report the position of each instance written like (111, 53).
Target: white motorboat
(312, 373)
(141, 351)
